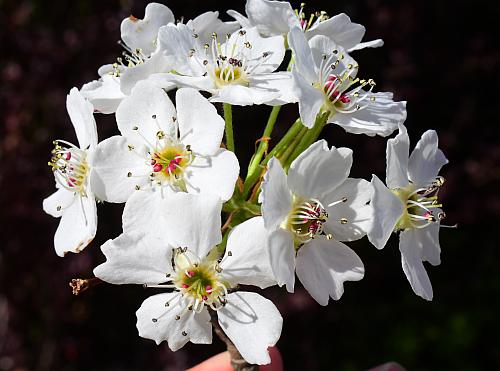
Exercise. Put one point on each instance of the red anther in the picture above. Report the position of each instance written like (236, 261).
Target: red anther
(345, 99)
(153, 161)
(205, 298)
(184, 286)
(208, 288)
(157, 168)
(331, 78)
(71, 182)
(303, 23)
(68, 156)
(173, 164)
(190, 273)
(428, 215)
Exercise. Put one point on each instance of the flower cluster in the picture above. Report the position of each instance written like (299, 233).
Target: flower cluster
(175, 168)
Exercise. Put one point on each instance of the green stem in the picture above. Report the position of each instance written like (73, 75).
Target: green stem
(264, 143)
(228, 116)
(279, 148)
(293, 145)
(309, 137)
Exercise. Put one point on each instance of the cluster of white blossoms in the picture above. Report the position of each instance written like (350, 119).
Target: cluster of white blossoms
(175, 168)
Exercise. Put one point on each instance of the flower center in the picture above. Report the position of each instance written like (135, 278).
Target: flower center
(231, 73)
(421, 205)
(305, 220)
(69, 165)
(197, 282)
(343, 92)
(170, 160)
(201, 282)
(228, 63)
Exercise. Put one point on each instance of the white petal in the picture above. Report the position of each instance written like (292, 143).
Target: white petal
(377, 43)
(310, 99)
(204, 83)
(248, 263)
(426, 160)
(150, 110)
(104, 94)
(132, 75)
(274, 47)
(410, 245)
(282, 257)
(135, 258)
(304, 61)
(81, 112)
(340, 29)
(196, 326)
(271, 17)
(215, 175)
(276, 197)
(58, 201)
(318, 170)
(116, 170)
(142, 33)
(242, 20)
(322, 45)
(387, 209)
(176, 43)
(253, 324)
(324, 265)
(431, 250)
(277, 82)
(207, 23)
(200, 125)
(355, 211)
(77, 227)
(379, 117)
(240, 95)
(398, 151)
(180, 219)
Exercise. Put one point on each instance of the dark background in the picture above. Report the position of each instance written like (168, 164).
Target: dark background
(440, 56)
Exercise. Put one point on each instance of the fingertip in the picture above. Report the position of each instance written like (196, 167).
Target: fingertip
(219, 362)
(276, 361)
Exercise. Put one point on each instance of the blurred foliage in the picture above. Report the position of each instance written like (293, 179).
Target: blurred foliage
(441, 56)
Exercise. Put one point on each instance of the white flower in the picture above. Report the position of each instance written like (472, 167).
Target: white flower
(238, 71)
(141, 58)
(74, 200)
(325, 80)
(197, 283)
(308, 212)
(409, 204)
(274, 18)
(161, 150)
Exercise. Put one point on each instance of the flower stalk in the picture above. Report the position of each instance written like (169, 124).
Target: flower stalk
(228, 117)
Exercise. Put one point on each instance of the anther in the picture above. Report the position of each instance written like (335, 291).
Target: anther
(153, 117)
(343, 221)
(154, 320)
(184, 333)
(135, 128)
(58, 208)
(177, 317)
(137, 187)
(130, 147)
(129, 174)
(229, 253)
(160, 134)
